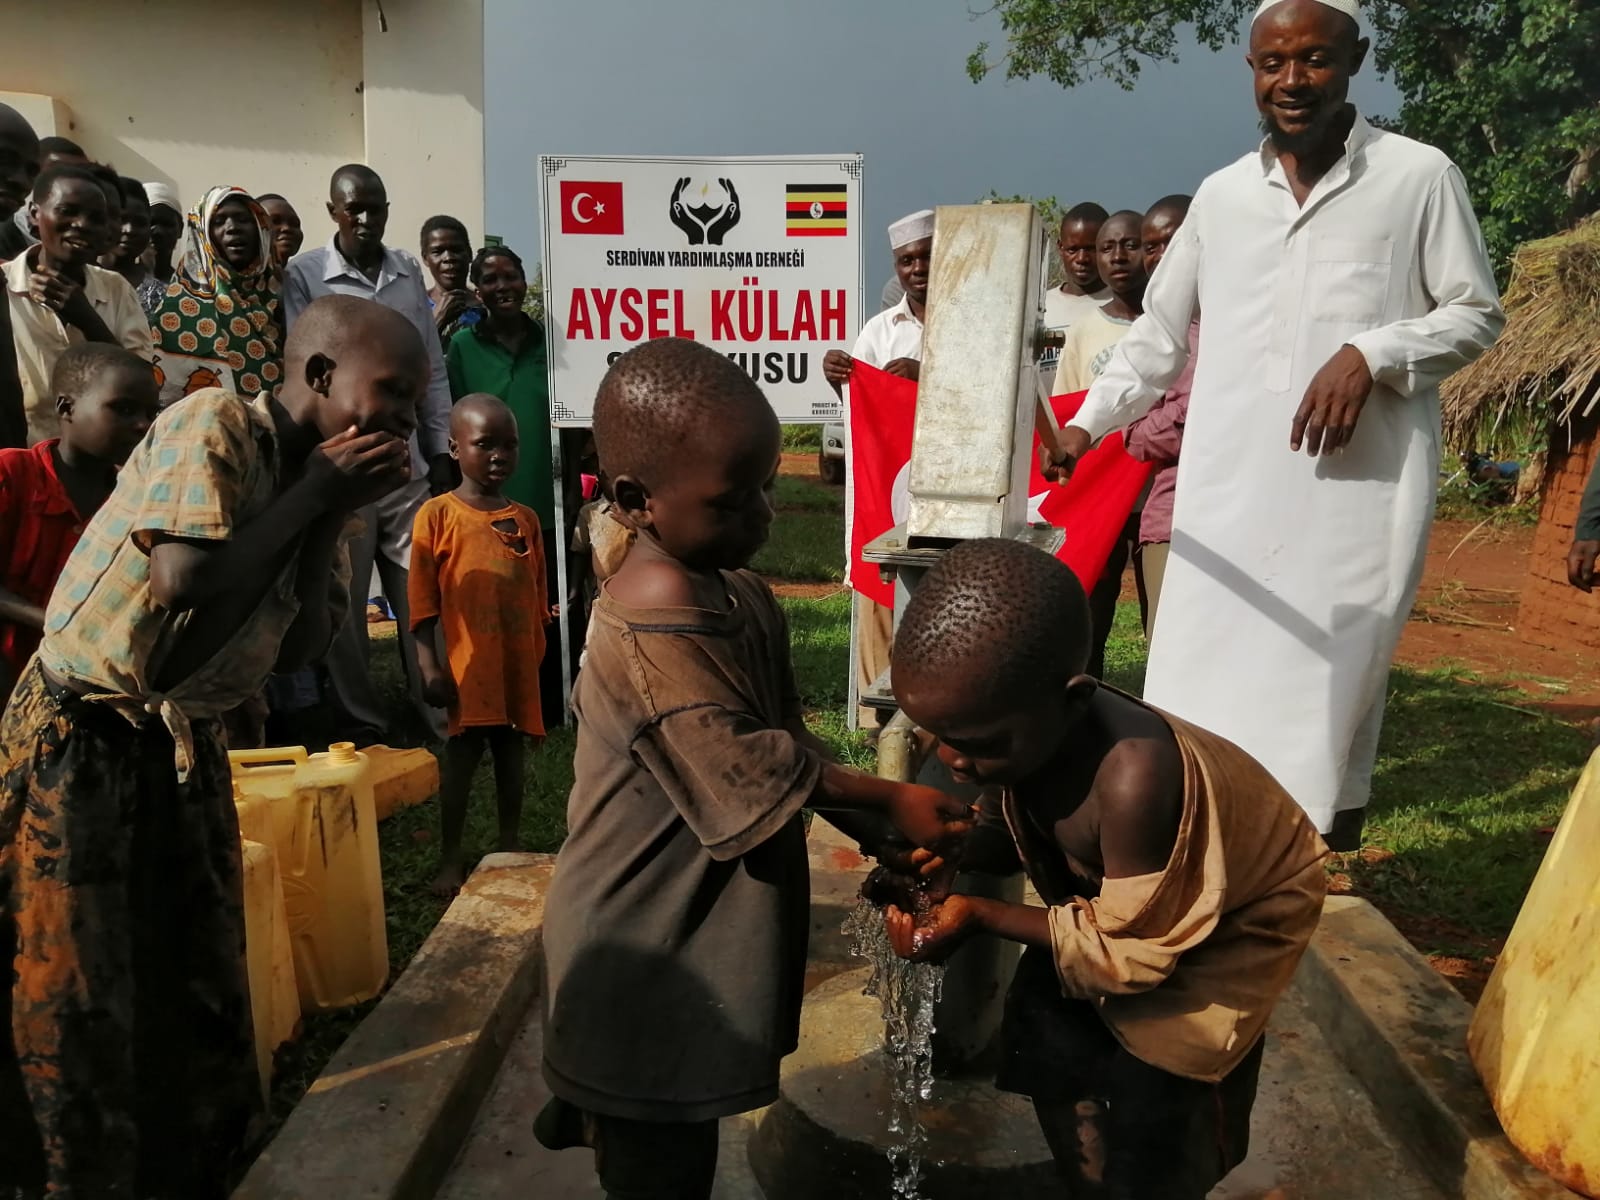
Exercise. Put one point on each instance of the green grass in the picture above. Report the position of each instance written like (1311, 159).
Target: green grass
(807, 543)
(807, 547)
(1467, 775)
(797, 439)
(1462, 500)
(794, 495)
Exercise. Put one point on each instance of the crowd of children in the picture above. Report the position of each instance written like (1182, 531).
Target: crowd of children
(158, 566)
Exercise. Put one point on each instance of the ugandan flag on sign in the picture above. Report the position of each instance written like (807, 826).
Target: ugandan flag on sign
(816, 210)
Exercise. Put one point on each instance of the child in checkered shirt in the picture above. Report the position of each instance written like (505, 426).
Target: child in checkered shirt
(127, 1063)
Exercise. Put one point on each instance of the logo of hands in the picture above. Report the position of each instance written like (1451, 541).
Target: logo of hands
(704, 223)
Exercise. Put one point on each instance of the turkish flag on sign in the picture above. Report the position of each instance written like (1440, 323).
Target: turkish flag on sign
(591, 207)
(1090, 508)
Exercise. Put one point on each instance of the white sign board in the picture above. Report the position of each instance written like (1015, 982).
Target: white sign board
(759, 258)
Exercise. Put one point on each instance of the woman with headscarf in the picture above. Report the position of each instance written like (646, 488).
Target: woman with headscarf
(220, 323)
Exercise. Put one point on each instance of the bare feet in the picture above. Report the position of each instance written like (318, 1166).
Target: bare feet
(449, 879)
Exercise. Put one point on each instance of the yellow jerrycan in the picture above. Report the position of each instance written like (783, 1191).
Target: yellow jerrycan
(400, 778)
(1535, 1037)
(325, 832)
(274, 999)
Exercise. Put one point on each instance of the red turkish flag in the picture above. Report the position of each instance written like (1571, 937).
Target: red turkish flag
(591, 207)
(1091, 508)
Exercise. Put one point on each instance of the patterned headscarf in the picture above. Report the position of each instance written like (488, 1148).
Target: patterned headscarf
(218, 327)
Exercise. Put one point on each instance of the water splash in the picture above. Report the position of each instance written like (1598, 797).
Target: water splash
(907, 993)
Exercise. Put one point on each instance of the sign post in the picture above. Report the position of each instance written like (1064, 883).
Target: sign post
(758, 257)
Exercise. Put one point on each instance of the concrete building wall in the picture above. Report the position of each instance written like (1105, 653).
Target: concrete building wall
(424, 111)
(272, 98)
(198, 94)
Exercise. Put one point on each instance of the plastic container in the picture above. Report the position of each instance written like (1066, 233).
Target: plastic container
(325, 831)
(400, 778)
(274, 1002)
(255, 816)
(1533, 1037)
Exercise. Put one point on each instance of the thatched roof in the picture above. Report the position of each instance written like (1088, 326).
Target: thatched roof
(1545, 369)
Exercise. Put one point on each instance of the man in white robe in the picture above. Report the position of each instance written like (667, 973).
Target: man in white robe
(1343, 276)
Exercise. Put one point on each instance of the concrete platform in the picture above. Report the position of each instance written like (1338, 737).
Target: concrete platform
(1316, 1136)
(386, 1117)
(1363, 1094)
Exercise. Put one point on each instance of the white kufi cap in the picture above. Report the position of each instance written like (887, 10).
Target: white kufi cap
(1350, 8)
(163, 193)
(910, 229)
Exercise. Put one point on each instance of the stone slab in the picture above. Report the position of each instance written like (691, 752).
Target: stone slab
(385, 1119)
(502, 1161)
(1315, 1133)
(1402, 1031)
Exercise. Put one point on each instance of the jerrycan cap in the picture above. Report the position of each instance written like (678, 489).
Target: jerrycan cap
(342, 752)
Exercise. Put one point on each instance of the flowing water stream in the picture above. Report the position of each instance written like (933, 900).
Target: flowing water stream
(907, 993)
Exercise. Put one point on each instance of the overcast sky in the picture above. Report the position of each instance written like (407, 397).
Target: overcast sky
(883, 77)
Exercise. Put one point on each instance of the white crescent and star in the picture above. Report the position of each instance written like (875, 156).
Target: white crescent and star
(597, 210)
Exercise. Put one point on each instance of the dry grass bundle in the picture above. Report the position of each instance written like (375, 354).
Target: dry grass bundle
(1545, 370)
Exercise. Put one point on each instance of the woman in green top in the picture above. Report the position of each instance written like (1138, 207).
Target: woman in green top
(503, 353)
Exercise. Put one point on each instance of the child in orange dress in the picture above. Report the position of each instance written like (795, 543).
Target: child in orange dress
(477, 570)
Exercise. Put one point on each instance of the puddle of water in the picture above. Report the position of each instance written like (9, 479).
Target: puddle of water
(907, 993)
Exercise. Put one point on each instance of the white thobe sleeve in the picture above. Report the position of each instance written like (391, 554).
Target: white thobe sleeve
(1414, 355)
(1153, 354)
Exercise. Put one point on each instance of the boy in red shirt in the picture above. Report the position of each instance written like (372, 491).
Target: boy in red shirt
(106, 398)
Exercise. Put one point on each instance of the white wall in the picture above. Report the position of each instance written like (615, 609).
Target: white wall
(424, 112)
(270, 97)
(197, 93)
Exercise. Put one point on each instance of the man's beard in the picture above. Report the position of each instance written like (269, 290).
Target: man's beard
(1296, 144)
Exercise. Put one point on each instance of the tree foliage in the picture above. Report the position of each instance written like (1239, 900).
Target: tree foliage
(1510, 89)
(1050, 212)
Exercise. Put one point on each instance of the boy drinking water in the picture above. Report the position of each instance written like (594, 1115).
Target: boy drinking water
(477, 568)
(106, 398)
(127, 1063)
(676, 923)
(1183, 883)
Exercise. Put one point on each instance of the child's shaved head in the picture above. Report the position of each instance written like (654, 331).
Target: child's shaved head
(81, 362)
(354, 362)
(661, 399)
(996, 619)
(478, 406)
(330, 325)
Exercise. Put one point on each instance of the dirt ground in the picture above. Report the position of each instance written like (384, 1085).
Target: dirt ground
(802, 465)
(1466, 612)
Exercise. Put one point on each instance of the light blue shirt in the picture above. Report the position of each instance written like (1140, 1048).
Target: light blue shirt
(324, 271)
